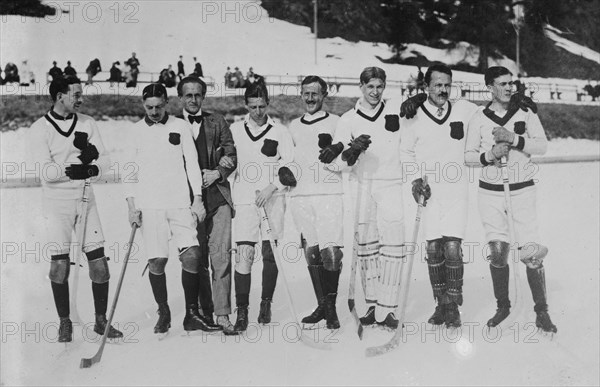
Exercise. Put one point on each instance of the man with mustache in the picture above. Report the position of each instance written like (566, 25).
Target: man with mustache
(369, 137)
(65, 144)
(316, 201)
(504, 129)
(218, 159)
(158, 197)
(433, 143)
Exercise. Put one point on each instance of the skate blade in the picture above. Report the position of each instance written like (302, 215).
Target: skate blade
(162, 336)
(312, 327)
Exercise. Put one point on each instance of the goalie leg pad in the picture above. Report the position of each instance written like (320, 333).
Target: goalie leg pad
(436, 266)
(368, 258)
(499, 251)
(244, 257)
(190, 259)
(332, 258)
(60, 268)
(98, 270)
(156, 266)
(533, 254)
(454, 269)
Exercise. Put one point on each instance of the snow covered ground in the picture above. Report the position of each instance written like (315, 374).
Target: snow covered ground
(515, 355)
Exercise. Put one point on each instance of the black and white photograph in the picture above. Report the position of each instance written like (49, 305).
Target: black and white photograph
(300, 192)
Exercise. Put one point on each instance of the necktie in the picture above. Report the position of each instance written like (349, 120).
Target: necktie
(440, 111)
(197, 119)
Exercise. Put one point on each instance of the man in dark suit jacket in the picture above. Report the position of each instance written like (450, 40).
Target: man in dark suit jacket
(217, 159)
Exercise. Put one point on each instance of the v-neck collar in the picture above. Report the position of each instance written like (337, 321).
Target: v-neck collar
(438, 121)
(50, 119)
(489, 113)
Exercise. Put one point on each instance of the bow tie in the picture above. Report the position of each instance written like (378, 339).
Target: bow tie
(196, 119)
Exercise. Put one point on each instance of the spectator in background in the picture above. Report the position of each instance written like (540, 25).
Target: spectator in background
(180, 70)
(250, 76)
(133, 64)
(55, 72)
(93, 69)
(167, 77)
(239, 78)
(228, 75)
(70, 71)
(11, 73)
(26, 77)
(197, 69)
(116, 75)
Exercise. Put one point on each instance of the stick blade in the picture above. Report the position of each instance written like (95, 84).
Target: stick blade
(88, 362)
(383, 349)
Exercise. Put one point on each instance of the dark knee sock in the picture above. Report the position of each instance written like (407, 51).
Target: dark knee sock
(242, 289)
(191, 287)
(100, 292)
(61, 298)
(269, 273)
(159, 287)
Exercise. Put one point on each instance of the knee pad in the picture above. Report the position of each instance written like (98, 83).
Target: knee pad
(190, 259)
(267, 252)
(244, 258)
(453, 251)
(313, 255)
(533, 254)
(99, 270)
(332, 258)
(499, 251)
(157, 265)
(435, 254)
(60, 268)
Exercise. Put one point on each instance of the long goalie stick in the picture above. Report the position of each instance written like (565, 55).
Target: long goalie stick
(511, 232)
(405, 274)
(310, 341)
(88, 362)
(79, 235)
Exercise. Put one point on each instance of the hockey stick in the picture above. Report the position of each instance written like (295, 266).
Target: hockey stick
(352, 285)
(79, 235)
(405, 274)
(303, 337)
(88, 362)
(511, 232)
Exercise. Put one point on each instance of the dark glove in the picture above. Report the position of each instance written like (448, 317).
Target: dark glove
(286, 177)
(88, 154)
(81, 140)
(81, 172)
(329, 153)
(410, 107)
(357, 145)
(419, 187)
(520, 101)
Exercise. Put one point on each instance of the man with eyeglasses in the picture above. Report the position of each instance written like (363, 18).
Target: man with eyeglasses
(507, 130)
(217, 158)
(158, 198)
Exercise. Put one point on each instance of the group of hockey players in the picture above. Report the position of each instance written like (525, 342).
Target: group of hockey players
(181, 193)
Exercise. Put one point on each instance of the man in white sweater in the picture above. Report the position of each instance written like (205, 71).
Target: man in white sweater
(159, 201)
(507, 129)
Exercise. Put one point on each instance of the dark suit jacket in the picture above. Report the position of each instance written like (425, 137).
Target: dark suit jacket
(219, 142)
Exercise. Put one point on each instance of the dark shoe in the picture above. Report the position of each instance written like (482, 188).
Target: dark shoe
(264, 315)
(331, 314)
(369, 317)
(210, 322)
(543, 322)
(193, 322)
(100, 327)
(501, 314)
(439, 316)
(65, 330)
(164, 318)
(226, 326)
(452, 316)
(241, 322)
(317, 315)
(390, 322)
